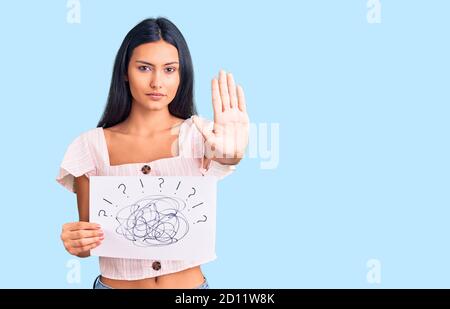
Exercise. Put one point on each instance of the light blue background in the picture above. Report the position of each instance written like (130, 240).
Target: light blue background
(363, 113)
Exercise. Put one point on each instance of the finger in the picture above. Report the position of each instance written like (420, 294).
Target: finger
(84, 242)
(241, 99)
(232, 91)
(89, 247)
(77, 244)
(217, 102)
(85, 234)
(83, 226)
(223, 87)
(203, 128)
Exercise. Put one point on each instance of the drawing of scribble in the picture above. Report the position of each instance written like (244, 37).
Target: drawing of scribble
(155, 220)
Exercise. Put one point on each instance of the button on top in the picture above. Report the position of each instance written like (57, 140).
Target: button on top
(146, 169)
(156, 265)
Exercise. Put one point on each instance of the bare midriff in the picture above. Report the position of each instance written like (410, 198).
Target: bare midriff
(186, 279)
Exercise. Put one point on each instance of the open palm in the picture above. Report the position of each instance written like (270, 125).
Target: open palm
(228, 138)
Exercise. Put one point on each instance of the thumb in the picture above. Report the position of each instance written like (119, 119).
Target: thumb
(203, 128)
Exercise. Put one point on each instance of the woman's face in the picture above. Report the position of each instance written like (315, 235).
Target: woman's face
(154, 68)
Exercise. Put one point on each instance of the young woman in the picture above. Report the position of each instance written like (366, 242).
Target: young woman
(149, 127)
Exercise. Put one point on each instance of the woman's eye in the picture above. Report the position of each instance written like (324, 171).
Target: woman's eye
(147, 68)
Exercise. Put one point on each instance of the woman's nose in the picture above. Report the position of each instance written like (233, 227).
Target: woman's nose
(155, 81)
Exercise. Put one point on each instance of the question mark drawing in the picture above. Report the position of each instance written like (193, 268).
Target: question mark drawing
(124, 188)
(191, 193)
(161, 183)
(104, 213)
(206, 218)
(142, 185)
(195, 206)
(179, 183)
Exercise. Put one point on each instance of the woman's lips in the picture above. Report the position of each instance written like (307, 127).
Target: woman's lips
(155, 97)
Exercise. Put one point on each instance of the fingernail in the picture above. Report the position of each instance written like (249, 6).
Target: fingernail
(102, 237)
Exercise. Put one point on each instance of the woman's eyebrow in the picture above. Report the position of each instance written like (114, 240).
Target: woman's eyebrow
(148, 63)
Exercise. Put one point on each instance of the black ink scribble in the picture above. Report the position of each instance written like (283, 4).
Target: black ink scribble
(155, 220)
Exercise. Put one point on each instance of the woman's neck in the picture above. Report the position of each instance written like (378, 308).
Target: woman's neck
(144, 122)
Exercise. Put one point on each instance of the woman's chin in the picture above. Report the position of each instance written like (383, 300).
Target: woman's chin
(155, 106)
(151, 105)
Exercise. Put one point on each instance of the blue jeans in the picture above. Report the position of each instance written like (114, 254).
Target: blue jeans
(98, 284)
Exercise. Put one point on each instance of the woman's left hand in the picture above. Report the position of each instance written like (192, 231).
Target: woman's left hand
(228, 139)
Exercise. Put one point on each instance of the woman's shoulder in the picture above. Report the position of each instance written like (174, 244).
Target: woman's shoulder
(88, 137)
(89, 142)
(82, 156)
(191, 131)
(189, 122)
(91, 133)
(192, 140)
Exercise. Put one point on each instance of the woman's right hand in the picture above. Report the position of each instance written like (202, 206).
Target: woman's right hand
(80, 237)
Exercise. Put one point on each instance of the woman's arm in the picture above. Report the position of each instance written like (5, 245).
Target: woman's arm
(80, 237)
(82, 189)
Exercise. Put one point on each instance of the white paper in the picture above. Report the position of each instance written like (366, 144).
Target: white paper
(152, 217)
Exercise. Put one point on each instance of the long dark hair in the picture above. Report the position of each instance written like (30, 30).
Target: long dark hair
(118, 105)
